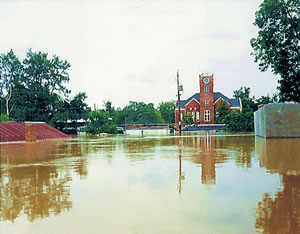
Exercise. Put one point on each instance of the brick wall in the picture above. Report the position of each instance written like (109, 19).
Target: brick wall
(206, 97)
(30, 132)
(193, 107)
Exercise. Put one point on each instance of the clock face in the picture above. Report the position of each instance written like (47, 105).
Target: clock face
(206, 80)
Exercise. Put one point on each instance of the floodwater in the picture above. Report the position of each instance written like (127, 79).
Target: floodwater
(196, 183)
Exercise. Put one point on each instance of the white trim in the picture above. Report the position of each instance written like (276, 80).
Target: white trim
(206, 116)
(192, 100)
(222, 99)
(241, 105)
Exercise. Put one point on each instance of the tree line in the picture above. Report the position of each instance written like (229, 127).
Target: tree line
(242, 121)
(34, 89)
(107, 118)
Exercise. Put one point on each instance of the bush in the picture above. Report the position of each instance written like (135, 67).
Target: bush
(5, 118)
(188, 119)
(237, 121)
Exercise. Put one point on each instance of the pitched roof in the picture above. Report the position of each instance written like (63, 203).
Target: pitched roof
(184, 102)
(234, 102)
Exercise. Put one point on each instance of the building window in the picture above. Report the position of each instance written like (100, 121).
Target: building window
(206, 101)
(206, 115)
(206, 89)
(197, 116)
(181, 116)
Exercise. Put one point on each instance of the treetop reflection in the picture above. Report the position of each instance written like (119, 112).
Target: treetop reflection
(32, 183)
(281, 214)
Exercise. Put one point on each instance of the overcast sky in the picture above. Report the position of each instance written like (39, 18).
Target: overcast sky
(130, 50)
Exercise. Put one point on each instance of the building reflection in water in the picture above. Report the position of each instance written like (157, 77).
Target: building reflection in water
(33, 182)
(208, 150)
(202, 149)
(280, 214)
(208, 155)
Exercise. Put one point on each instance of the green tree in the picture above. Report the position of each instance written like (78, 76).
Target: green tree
(11, 71)
(108, 107)
(5, 118)
(267, 99)
(188, 119)
(238, 121)
(167, 111)
(78, 108)
(139, 113)
(244, 94)
(46, 79)
(100, 122)
(221, 112)
(35, 89)
(60, 114)
(277, 44)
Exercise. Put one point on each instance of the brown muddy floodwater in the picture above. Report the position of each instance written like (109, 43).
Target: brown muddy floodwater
(197, 183)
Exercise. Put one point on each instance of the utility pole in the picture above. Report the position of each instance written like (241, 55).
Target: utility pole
(178, 94)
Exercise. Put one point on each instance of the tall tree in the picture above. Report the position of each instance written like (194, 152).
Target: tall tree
(46, 79)
(10, 74)
(167, 110)
(278, 44)
(244, 94)
(78, 107)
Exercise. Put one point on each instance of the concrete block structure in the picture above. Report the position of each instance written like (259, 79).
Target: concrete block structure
(278, 120)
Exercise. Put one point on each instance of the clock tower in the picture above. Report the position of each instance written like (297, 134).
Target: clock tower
(206, 99)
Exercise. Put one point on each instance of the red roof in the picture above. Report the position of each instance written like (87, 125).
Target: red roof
(15, 131)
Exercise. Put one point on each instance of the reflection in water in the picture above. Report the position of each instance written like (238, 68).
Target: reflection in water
(209, 150)
(202, 149)
(109, 180)
(139, 150)
(180, 174)
(281, 214)
(242, 148)
(37, 190)
(208, 175)
(32, 183)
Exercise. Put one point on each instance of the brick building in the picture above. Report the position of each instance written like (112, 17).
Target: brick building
(201, 105)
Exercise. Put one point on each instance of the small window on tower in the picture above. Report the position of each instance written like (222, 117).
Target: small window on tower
(206, 89)
(206, 101)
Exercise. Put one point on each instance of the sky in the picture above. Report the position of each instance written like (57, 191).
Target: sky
(130, 50)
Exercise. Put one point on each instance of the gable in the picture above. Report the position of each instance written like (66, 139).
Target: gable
(191, 101)
(220, 100)
(233, 102)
